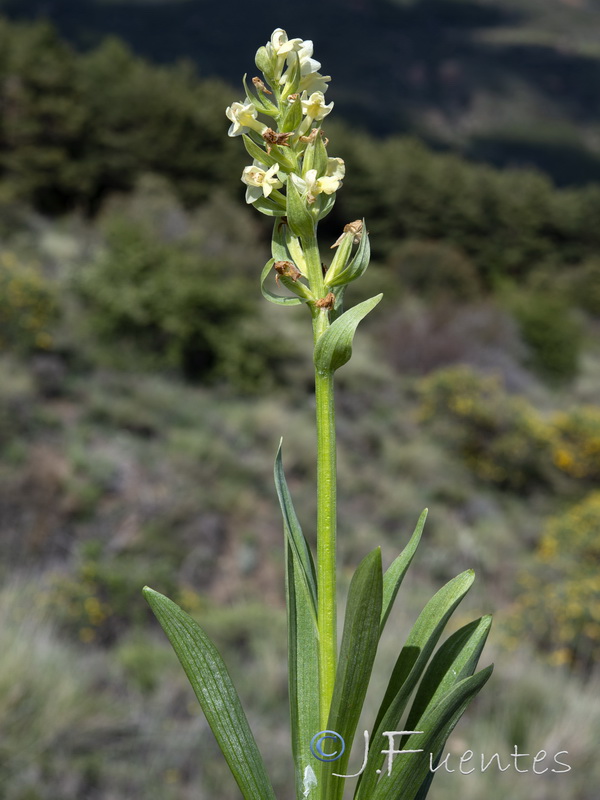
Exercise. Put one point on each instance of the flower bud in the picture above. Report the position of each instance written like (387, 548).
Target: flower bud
(340, 272)
(266, 62)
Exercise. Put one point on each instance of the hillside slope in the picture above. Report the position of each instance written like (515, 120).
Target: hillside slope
(510, 82)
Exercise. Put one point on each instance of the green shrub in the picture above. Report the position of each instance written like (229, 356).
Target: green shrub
(77, 127)
(585, 286)
(435, 268)
(501, 437)
(182, 304)
(28, 306)
(100, 599)
(577, 443)
(552, 333)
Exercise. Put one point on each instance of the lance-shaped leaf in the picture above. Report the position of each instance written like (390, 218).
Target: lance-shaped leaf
(357, 654)
(456, 659)
(260, 100)
(409, 668)
(285, 246)
(304, 566)
(293, 75)
(276, 156)
(278, 299)
(340, 257)
(394, 574)
(258, 153)
(292, 116)
(279, 248)
(299, 217)
(338, 308)
(315, 156)
(410, 771)
(357, 266)
(266, 63)
(324, 204)
(296, 251)
(268, 207)
(334, 347)
(216, 694)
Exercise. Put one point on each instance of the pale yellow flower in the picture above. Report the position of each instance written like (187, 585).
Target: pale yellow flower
(282, 45)
(242, 117)
(260, 181)
(310, 186)
(314, 106)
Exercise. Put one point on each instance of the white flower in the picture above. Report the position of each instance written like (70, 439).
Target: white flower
(310, 186)
(314, 82)
(260, 181)
(307, 62)
(310, 78)
(334, 174)
(314, 106)
(282, 45)
(242, 116)
(336, 168)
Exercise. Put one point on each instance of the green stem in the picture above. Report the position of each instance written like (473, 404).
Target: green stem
(326, 496)
(326, 540)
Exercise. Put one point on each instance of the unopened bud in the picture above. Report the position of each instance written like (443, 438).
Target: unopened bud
(355, 228)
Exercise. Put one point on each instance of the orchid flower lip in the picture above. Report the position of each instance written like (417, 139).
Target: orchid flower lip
(260, 181)
(242, 117)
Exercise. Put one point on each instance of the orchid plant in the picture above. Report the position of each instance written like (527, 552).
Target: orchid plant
(293, 180)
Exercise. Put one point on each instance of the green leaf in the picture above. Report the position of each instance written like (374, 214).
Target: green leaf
(265, 63)
(394, 574)
(357, 654)
(256, 152)
(297, 253)
(276, 299)
(409, 772)
(315, 156)
(358, 265)
(292, 83)
(299, 217)
(325, 203)
(216, 694)
(334, 348)
(303, 673)
(292, 116)
(268, 207)
(340, 258)
(338, 308)
(279, 249)
(456, 659)
(263, 104)
(320, 158)
(409, 668)
(304, 566)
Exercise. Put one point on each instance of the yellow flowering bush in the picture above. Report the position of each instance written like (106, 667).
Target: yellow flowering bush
(500, 436)
(27, 306)
(559, 603)
(576, 451)
(503, 438)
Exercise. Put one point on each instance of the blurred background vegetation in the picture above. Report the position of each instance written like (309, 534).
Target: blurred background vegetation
(144, 383)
